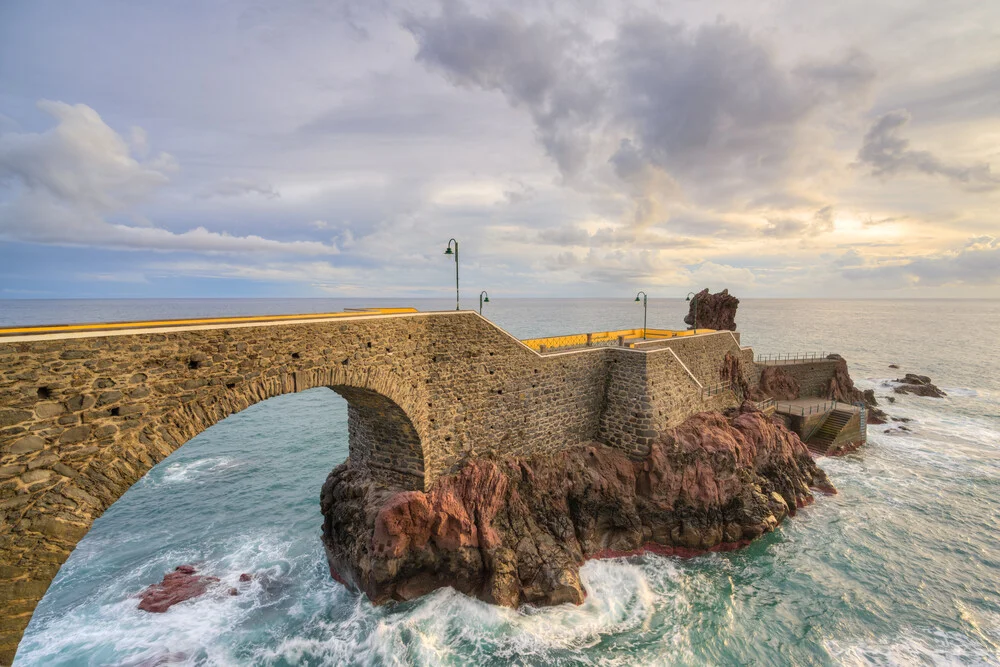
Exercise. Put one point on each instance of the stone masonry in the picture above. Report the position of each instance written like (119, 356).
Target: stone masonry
(83, 417)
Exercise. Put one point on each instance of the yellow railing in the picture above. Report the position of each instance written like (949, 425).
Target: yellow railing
(111, 326)
(603, 338)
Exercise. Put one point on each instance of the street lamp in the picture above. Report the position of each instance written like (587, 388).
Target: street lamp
(643, 312)
(482, 300)
(695, 304)
(448, 251)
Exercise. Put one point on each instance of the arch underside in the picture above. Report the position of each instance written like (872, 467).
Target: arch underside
(48, 525)
(382, 436)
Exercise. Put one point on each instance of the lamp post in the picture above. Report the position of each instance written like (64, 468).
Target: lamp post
(643, 312)
(448, 251)
(482, 300)
(695, 304)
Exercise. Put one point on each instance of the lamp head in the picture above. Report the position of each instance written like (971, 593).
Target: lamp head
(486, 300)
(447, 250)
(688, 299)
(637, 298)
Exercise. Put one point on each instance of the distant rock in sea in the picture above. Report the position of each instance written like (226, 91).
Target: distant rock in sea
(919, 385)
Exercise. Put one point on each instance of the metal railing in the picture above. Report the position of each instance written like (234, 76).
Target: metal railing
(717, 388)
(766, 404)
(863, 411)
(790, 357)
(814, 409)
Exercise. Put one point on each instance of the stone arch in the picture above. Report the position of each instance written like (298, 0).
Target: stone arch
(57, 511)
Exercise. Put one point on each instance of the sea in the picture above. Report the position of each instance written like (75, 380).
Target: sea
(901, 567)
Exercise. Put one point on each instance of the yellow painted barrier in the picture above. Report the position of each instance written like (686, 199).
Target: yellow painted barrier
(112, 326)
(599, 337)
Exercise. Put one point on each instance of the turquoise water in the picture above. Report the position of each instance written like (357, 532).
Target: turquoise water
(902, 567)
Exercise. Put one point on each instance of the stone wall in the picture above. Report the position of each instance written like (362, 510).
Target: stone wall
(813, 376)
(83, 418)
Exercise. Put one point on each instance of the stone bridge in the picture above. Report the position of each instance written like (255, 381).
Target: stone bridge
(84, 415)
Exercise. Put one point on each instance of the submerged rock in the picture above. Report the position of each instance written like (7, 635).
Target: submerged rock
(516, 530)
(919, 385)
(715, 311)
(177, 586)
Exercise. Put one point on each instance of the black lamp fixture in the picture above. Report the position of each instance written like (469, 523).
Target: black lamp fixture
(643, 312)
(693, 296)
(483, 298)
(448, 251)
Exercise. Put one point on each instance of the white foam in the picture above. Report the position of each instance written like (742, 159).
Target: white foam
(180, 472)
(932, 647)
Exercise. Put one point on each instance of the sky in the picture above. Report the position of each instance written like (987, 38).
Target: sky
(307, 148)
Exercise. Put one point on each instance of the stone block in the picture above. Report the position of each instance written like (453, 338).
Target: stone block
(29, 443)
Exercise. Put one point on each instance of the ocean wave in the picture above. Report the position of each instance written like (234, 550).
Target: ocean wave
(186, 471)
(931, 647)
(447, 627)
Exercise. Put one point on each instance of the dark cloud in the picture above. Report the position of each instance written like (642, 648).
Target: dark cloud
(533, 65)
(704, 103)
(889, 154)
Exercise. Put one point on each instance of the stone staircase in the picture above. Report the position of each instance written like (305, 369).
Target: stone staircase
(821, 439)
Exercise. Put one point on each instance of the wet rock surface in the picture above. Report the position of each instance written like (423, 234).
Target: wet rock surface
(516, 530)
(182, 584)
(714, 311)
(919, 385)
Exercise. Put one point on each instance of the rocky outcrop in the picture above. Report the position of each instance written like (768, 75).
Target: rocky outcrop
(842, 389)
(777, 384)
(516, 530)
(715, 311)
(177, 586)
(919, 385)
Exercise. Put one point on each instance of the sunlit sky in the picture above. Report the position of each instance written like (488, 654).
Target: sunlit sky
(312, 148)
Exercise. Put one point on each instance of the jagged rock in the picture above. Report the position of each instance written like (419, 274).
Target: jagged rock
(842, 389)
(177, 586)
(919, 385)
(777, 384)
(516, 530)
(715, 311)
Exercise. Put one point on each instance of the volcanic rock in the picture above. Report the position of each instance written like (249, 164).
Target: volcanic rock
(715, 311)
(842, 389)
(777, 384)
(516, 530)
(920, 385)
(177, 586)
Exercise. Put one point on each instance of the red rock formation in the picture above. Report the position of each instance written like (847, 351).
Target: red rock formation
(777, 384)
(715, 311)
(842, 389)
(516, 530)
(177, 586)
(732, 372)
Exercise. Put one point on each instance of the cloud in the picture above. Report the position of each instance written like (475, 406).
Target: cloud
(975, 264)
(677, 103)
(820, 223)
(238, 187)
(532, 65)
(74, 183)
(888, 154)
